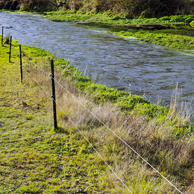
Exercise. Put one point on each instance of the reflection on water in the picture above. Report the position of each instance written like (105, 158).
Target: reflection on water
(141, 68)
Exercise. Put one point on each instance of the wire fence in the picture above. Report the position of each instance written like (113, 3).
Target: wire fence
(73, 96)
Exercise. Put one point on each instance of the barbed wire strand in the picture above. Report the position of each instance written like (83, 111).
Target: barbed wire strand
(81, 134)
(36, 82)
(114, 133)
(28, 59)
(119, 137)
(37, 66)
(95, 150)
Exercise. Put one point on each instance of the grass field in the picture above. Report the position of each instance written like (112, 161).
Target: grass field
(36, 158)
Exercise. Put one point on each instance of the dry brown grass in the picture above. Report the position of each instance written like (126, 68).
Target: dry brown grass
(172, 156)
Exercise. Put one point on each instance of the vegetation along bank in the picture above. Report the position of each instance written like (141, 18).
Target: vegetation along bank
(37, 158)
(164, 23)
(170, 31)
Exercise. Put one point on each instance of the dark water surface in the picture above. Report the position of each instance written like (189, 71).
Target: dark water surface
(143, 69)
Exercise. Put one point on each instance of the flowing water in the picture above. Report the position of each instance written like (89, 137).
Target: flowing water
(125, 64)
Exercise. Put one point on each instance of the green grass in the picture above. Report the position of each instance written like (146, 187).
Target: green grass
(110, 19)
(161, 38)
(178, 33)
(35, 158)
(105, 19)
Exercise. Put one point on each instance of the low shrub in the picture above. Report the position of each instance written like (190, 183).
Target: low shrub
(191, 24)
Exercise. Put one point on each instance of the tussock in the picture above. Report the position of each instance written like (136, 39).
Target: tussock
(155, 142)
(152, 138)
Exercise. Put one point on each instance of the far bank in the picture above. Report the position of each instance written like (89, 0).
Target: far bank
(174, 31)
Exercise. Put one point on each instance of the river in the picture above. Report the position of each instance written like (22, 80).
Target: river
(125, 64)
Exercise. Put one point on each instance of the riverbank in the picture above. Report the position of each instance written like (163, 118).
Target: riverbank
(170, 31)
(158, 134)
(35, 158)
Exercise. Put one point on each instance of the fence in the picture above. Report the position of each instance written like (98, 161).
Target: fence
(55, 104)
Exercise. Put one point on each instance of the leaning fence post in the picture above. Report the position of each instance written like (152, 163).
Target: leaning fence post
(10, 48)
(2, 36)
(21, 63)
(53, 95)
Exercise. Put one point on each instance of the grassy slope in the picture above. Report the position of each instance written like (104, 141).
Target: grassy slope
(174, 38)
(34, 158)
